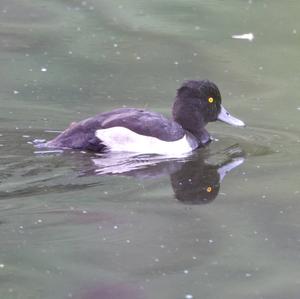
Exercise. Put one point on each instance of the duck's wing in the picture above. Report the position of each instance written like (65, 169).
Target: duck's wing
(82, 135)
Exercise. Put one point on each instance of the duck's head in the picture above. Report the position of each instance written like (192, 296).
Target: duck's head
(199, 102)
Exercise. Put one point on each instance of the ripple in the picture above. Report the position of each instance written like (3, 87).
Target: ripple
(26, 172)
(256, 141)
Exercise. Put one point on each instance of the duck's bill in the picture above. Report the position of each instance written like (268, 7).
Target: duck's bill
(225, 116)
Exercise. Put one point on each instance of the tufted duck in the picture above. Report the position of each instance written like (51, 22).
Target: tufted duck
(140, 131)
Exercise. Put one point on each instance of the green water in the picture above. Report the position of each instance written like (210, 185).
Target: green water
(74, 225)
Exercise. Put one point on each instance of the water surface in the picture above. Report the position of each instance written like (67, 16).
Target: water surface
(78, 225)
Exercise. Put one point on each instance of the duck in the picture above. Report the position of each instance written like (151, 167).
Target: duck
(197, 102)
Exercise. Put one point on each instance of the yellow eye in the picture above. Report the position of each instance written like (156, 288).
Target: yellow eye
(209, 189)
(210, 100)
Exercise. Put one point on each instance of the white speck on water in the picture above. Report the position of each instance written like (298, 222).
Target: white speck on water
(156, 260)
(197, 27)
(176, 62)
(1, 266)
(260, 68)
(248, 275)
(138, 58)
(70, 52)
(25, 136)
(294, 31)
(128, 241)
(249, 36)
(194, 258)
(210, 241)
(116, 227)
(43, 69)
(189, 296)
(298, 108)
(39, 221)
(115, 45)
(186, 271)
(162, 246)
(195, 54)
(84, 212)
(16, 92)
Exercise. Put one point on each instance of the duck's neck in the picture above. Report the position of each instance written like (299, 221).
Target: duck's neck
(191, 119)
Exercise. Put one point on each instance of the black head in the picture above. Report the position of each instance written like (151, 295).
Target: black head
(197, 103)
(203, 96)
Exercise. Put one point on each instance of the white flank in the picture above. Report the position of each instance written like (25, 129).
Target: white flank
(248, 36)
(120, 139)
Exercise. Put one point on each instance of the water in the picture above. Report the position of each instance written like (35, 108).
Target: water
(77, 225)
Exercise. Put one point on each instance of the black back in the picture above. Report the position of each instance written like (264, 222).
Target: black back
(81, 135)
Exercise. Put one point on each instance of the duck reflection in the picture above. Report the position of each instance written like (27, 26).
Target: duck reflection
(193, 179)
(199, 183)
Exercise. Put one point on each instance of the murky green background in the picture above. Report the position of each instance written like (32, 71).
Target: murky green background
(68, 233)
